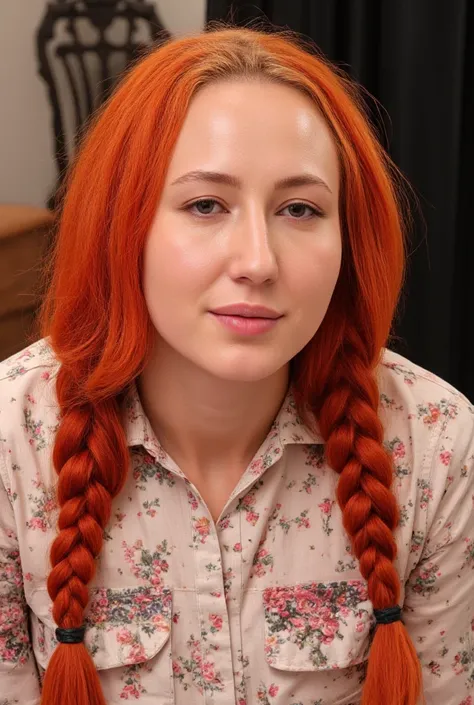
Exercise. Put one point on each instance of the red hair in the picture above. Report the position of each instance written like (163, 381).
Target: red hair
(94, 287)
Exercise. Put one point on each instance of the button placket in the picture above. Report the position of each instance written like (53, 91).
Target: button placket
(215, 638)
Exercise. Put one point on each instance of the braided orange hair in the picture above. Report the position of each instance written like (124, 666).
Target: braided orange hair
(94, 286)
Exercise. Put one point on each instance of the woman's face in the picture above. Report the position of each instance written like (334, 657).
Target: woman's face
(248, 216)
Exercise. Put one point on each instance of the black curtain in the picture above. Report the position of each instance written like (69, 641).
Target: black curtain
(416, 57)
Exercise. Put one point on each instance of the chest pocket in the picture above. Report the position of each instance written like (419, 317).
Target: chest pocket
(317, 626)
(126, 627)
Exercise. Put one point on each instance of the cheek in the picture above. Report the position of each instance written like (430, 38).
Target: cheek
(315, 275)
(176, 263)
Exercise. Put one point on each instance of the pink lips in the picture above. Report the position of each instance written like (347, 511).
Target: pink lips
(247, 319)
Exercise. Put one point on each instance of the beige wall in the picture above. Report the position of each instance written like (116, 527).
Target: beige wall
(27, 169)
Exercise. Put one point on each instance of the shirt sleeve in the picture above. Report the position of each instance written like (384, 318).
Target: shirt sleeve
(439, 597)
(19, 681)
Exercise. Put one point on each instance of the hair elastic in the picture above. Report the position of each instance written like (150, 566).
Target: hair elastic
(70, 636)
(388, 615)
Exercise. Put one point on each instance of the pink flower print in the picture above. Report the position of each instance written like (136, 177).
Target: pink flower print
(249, 499)
(49, 505)
(176, 668)
(445, 457)
(216, 621)
(457, 665)
(37, 523)
(468, 552)
(433, 414)
(256, 467)
(435, 668)
(45, 375)
(309, 483)
(399, 451)
(208, 671)
(302, 522)
(161, 623)
(151, 506)
(137, 653)
(426, 493)
(247, 504)
(297, 622)
(360, 627)
(467, 701)
(28, 577)
(273, 690)
(252, 517)
(224, 523)
(192, 500)
(145, 564)
(326, 506)
(124, 636)
(202, 527)
(37, 482)
(130, 690)
(329, 629)
(237, 548)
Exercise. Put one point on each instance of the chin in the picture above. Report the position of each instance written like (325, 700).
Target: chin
(250, 370)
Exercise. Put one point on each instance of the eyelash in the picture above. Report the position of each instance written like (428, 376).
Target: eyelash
(316, 213)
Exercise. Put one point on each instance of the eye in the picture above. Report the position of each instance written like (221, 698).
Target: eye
(204, 206)
(297, 211)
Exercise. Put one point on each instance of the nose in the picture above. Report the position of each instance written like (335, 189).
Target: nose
(252, 252)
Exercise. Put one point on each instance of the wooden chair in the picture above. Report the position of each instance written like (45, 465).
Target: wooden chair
(80, 74)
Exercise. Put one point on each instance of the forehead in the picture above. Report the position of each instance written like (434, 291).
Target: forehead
(255, 127)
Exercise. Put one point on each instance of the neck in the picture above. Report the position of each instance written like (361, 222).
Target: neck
(205, 423)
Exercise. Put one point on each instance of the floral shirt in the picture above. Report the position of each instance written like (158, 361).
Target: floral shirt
(266, 606)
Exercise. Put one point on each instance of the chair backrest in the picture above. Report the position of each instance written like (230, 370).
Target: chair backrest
(83, 46)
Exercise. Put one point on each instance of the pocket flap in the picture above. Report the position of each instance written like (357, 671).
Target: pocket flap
(317, 626)
(123, 626)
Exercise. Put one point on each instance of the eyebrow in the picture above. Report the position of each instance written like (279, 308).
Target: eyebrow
(217, 177)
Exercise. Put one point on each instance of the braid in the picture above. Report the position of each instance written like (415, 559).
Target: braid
(91, 458)
(350, 424)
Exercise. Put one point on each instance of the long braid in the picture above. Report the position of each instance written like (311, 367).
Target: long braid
(353, 431)
(91, 458)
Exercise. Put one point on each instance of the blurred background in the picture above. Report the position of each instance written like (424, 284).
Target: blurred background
(415, 58)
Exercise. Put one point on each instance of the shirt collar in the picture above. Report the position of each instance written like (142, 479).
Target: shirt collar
(287, 429)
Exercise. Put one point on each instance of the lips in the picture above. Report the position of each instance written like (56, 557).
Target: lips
(247, 311)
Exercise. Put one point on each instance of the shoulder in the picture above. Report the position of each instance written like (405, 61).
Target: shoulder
(28, 407)
(408, 390)
(28, 364)
(27, 378)
(428, 428)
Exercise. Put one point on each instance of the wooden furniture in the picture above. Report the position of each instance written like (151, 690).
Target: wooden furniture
(24, 236)
(83, 47)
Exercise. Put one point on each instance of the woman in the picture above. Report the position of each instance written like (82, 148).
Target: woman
(249, 498)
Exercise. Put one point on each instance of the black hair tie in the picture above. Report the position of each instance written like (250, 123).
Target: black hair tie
(388, 615)
(70, 636)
